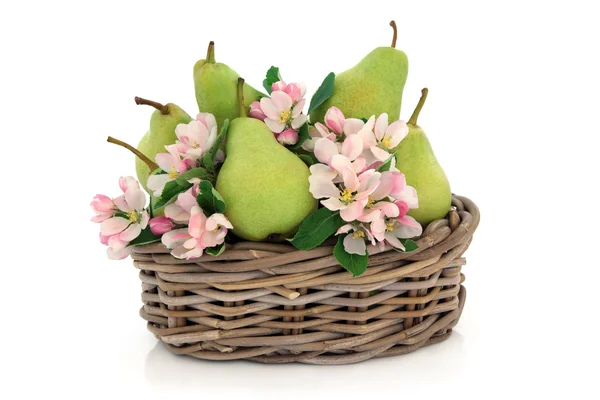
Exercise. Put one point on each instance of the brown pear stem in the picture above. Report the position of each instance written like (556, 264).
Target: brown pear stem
(210, 53)
(164, 110)
(240, 94)
(151, 164)
(415, 114)
(393, 25)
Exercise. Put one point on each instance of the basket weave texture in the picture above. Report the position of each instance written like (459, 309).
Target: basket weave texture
(272, 303)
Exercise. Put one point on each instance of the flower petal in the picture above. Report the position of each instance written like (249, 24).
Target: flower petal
(393, 241)
(325, 149)
(339, 163)
(333, 204)
(136, 199)
(380, 126)
(297, 110)
(114, 225)
(274, 126)
(379, 153)
(322, 170)
(345, 228)
(353, 211)
(322, 187)
(351, 181)
(268, 108)
(396, 132)
(299, 121)
(355, 245)
(352, 147)
(281, 100)
(353, 126)
(407, 228)
(130, 233)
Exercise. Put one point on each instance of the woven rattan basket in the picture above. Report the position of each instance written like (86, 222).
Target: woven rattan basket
(272, 303)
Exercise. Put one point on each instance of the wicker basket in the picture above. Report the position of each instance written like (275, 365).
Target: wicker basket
(274, 304)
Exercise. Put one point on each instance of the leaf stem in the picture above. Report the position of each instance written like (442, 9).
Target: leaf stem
(151, 164)
(240, 95)
(164, 110)
(415, 114)
(393, 25)
(210, 53)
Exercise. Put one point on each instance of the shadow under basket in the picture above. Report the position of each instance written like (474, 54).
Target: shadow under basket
(272, 303)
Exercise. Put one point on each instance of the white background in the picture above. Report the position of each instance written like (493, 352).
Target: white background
(513, 115)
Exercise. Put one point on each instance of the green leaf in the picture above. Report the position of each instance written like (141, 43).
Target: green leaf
(316, 228)
(387, 164)
(409, 245)
(145, 237)
(323, 92)
(192, 173)
(364, 120)
(209, 158)
(272, 77)
(209, 199)
(215, 251)
(309, 159)
(170, 192)
(354, 263)
(303, 136)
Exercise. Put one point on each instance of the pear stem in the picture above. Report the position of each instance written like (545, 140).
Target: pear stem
(164, 110)
(151, 164)
(415, 114)
(210, 53)
(240, 94)
(393, 25)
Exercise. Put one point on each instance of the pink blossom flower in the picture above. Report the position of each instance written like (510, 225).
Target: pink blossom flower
(354, 242)
(256, 111)
(383, 138)
(160, 225)
(380, 204)
(103, 206)
(394, 226)
(391, 230)
(281, 112)
(179, 211)
(119, 230)
(196, 137)
(287, 137)
(172, 164)
(201, 233)
(353, 195)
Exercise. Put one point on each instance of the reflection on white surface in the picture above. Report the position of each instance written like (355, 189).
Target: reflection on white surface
(438, 362)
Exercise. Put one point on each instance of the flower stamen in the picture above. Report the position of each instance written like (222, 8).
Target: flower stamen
(284, 116)
(133, 216)
(173, 173)
(370, 202)
(389, 226)
(346, 196)
(358, 235)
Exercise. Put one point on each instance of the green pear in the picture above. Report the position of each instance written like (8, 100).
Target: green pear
(372, 87)
(216, 88)
(163, 122)
(415, 159)
(264, 185)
